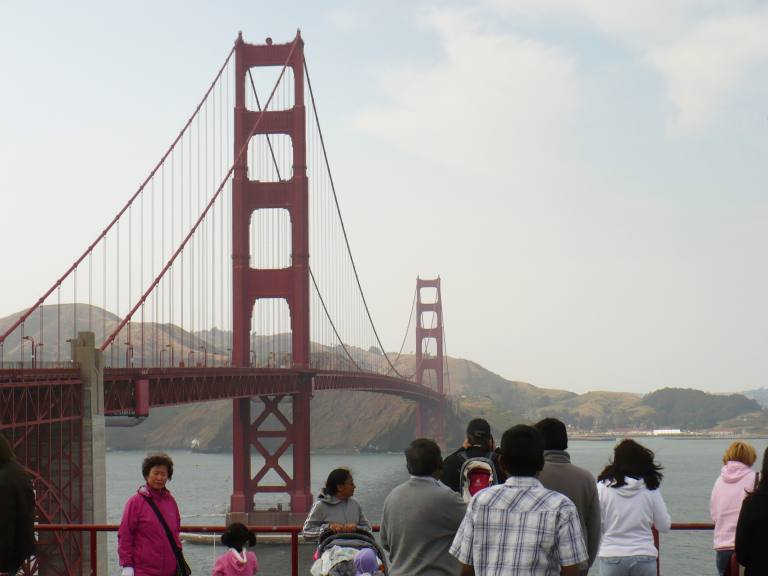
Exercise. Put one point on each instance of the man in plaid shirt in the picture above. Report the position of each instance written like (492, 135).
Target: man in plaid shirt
(520, 527)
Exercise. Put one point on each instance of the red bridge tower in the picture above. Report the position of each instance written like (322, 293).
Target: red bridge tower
(428, 362)
(290, 284)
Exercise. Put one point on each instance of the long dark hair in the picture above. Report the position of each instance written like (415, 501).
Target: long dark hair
(633, 460)
(336, 477)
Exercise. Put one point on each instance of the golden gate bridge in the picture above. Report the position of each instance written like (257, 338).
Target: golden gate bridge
(227, 274)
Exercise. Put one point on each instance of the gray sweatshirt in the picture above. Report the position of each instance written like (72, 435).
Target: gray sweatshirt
(329, 510)
(579, 485)
(418, 523)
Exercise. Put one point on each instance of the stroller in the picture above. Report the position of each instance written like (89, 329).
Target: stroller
(336, 551)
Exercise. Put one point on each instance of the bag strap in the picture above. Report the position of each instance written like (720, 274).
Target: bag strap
(757, 481)
(163, 523)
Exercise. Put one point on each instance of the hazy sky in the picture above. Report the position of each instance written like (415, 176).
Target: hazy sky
(587, 177)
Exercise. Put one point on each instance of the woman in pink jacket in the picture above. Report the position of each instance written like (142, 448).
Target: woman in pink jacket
(142, 544)
(238, 560)
(736, 478)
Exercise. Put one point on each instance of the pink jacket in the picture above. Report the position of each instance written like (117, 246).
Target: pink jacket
(229, 564)
(141, 540)
(725, 503)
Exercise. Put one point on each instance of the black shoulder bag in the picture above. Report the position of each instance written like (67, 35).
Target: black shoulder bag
(182, 568)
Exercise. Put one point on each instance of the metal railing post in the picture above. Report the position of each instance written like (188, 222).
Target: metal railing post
(94, 551)
(294, 553)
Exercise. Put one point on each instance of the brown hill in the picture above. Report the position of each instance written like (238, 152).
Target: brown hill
(356, 420)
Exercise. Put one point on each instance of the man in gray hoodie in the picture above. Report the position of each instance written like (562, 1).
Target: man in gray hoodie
(574, 482)
(421, 516)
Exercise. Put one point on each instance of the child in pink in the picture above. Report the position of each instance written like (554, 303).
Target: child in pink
(237, 561)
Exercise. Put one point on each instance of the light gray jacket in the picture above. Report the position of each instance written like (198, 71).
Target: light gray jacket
(579, 485)
(328, 510)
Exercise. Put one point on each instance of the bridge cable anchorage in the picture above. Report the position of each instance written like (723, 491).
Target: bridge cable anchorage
(341, 220)
(23, 317)
(180, 248)
(330, 320)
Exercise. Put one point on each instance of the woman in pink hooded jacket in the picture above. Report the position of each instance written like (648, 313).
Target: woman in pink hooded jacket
(142, 544)
(736, 478)
(238, 560)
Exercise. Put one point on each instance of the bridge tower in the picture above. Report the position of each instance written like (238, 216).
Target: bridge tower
(426, 362)
(290, 284)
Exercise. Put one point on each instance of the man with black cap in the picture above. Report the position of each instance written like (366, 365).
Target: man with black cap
(479, 444)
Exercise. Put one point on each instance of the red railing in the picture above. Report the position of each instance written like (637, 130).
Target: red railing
(294, 531)
(94, 529)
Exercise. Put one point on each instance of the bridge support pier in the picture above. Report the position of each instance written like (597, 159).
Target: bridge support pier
(270, 426)
(94, 472)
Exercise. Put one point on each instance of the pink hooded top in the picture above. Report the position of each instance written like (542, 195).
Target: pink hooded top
(725, 503)
(141, 540)
(231, 564)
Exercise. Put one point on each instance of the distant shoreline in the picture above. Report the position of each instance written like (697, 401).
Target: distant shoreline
(681, 436)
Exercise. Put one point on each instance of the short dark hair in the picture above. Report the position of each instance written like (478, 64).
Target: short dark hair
(336, 478)
(554, 433)
(479, 432)
(423, 457)
(159, 459)
(522, 451)
(237, 535)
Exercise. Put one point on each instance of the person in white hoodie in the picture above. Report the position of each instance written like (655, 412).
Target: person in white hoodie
(630, 505)
(736, 479)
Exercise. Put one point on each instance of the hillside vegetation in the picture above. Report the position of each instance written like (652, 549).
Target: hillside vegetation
(355, 420)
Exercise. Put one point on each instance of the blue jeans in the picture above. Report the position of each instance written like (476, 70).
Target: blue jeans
(628, 566)
(722, 559)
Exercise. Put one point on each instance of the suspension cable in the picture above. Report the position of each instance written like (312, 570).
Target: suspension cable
(330, 320)
(104, 232)
(343, 227)
(243, 149)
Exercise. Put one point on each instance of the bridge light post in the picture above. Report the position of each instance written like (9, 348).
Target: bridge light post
(128, 355)
(204, 350)
(32, 340)
(163, 351)
(190, 357)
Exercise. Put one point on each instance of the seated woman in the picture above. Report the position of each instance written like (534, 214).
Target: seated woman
(335, 509)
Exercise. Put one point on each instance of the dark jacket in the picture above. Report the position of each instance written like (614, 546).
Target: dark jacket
(453, 462)
(751, 533)
(17, 517)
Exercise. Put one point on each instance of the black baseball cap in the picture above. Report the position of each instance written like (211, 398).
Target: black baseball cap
(478, 427)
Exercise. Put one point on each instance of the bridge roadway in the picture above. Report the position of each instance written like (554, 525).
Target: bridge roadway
(132, 391)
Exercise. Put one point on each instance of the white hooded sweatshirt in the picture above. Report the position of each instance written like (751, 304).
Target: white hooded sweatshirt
(627, 514)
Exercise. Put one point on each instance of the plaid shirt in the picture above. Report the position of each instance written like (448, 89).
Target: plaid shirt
(519, 527)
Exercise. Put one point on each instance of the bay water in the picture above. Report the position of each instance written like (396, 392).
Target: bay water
(202, 484)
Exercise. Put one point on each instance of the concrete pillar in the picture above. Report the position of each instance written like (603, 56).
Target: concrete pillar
(90, 361)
